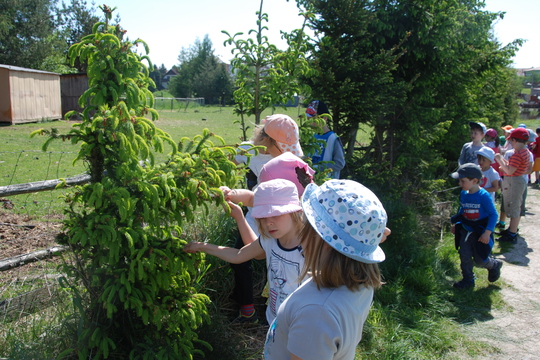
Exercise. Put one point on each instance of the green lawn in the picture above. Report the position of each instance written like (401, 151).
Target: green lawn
(23, 161)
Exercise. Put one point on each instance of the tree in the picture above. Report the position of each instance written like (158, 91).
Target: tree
(26, 31)
(133, 286)
(75, 20)
(354, 78)
(266, 76)
(200, 73)
(443, 56)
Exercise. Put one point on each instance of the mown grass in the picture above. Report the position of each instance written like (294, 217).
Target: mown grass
(22, 159)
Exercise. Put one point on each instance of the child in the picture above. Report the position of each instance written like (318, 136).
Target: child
(332, 151)
(491, 178)
(324, 317)
(513, 184)
(276, 207)
(279, 133)
(468, 151)
(285, 166)
(535, 148)
(473, 226)
(493, 142)
(506, 145)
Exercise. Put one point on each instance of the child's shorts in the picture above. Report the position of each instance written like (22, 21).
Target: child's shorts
(513, 188)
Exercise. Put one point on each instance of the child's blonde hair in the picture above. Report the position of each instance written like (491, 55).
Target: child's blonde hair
(331, 269)
(297, 217)
(261, 138)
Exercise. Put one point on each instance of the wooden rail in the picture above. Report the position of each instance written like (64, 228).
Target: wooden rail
(31, 187)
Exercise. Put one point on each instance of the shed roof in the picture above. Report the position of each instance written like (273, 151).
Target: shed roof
(17, 68)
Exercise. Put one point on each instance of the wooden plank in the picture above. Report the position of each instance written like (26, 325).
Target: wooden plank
(17, 189)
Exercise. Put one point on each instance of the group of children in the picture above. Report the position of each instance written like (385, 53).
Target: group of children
(321, 245)
(483, 169)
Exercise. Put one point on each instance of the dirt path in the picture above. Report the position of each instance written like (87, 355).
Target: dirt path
(514, 331)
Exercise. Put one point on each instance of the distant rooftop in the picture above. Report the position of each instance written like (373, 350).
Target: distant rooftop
(522, 71)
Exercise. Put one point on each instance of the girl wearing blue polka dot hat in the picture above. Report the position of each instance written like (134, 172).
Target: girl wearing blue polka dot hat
(346, 222)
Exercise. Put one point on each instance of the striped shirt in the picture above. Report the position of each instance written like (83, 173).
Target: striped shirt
(520, 160)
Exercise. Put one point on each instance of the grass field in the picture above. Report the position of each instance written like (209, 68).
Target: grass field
(23, 161)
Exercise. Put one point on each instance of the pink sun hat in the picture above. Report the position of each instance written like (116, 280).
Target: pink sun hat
(274, 198)
(284, 131)
(289, 167)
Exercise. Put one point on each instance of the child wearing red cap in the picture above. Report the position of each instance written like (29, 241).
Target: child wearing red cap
(513, 184)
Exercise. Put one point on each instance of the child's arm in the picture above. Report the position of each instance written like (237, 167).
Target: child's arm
(247, 234)
(494, 186)
(238, 195)
(484, 238)
(250, 251)
(489, 207)
(509, 170)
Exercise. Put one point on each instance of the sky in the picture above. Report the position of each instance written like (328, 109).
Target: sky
(167, 26)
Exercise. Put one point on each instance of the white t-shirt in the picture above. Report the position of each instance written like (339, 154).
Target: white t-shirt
(318, 324)
(490, 175)
(283, 269)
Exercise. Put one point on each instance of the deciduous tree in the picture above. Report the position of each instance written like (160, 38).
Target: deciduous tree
(265, 75)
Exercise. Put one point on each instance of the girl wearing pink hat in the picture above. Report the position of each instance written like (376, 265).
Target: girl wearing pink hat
(276, 206)
(280, 134)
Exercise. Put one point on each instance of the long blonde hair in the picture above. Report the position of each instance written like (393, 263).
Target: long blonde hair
(331, 269)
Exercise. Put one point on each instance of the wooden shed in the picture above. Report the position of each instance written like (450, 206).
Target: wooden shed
(72, 87)
(28, 95)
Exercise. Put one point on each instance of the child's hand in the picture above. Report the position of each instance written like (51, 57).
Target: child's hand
(453, 229)
(193, 247)
(226, 191)
(236, 211)
(484, 239)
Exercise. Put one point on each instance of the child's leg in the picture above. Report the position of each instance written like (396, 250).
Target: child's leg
(514, 223)
(502, 214)
(466, 254)
(243, 283)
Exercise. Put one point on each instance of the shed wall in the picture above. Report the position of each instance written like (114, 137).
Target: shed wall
(35, 96)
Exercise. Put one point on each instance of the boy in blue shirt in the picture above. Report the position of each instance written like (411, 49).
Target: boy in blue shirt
(473, 226)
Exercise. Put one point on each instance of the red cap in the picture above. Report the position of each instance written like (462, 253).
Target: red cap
(519, 133)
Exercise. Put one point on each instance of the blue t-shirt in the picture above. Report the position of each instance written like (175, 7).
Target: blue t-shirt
(478, 206)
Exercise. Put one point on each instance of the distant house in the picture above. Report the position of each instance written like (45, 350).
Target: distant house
(531, 71)
(167, 77)
(28, 95)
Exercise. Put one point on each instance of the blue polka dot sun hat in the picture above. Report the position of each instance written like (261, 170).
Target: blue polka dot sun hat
(348, 216)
